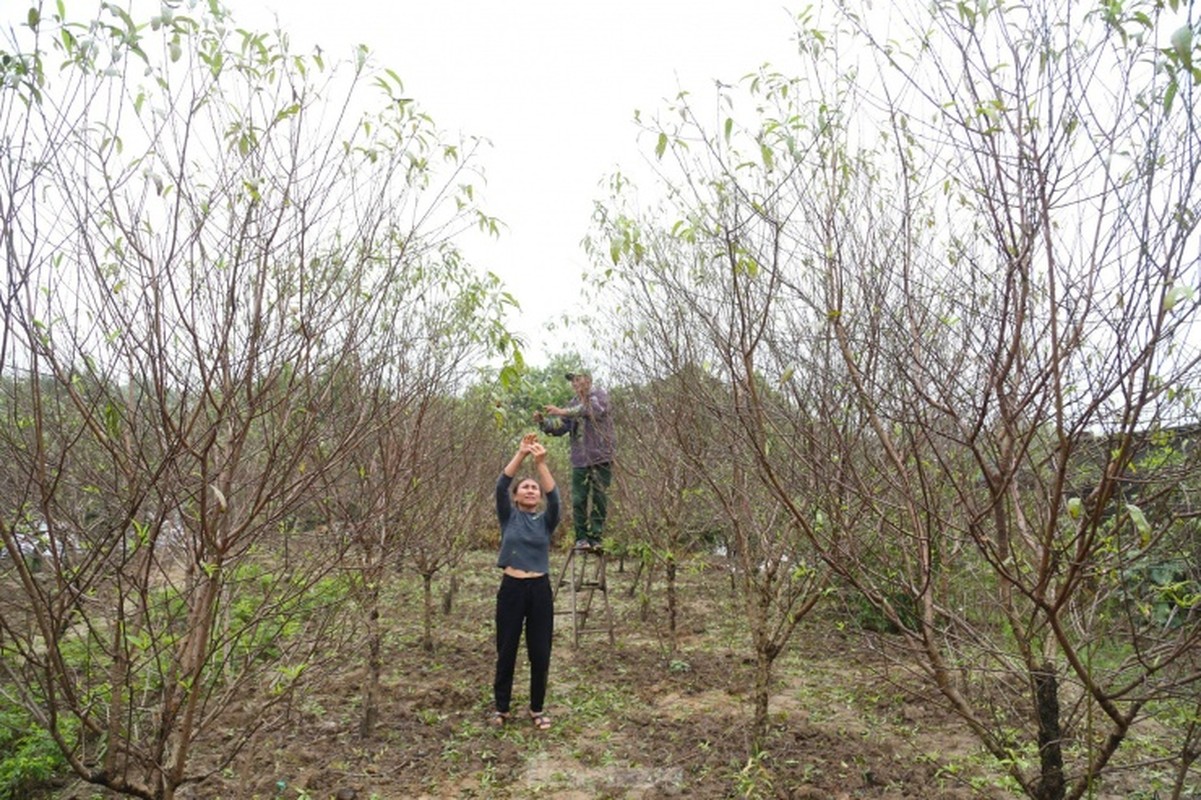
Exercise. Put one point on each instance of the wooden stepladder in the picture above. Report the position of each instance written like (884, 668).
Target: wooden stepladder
(584, 573)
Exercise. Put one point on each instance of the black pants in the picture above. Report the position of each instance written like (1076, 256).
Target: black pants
(519, 600)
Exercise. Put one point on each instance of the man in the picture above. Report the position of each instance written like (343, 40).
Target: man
(589, 422)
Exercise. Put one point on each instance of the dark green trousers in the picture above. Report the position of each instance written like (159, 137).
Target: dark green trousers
(589, 500)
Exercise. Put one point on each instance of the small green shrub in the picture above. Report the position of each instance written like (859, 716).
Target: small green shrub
(1165, 592)
(29, 758)
(870, 617)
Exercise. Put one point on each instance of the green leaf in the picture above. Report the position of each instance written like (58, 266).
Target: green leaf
(1075, 507)
(1175, 295)
(112, 420)
(747, 266)
(35, 16)
(141, 532)
(1182, 44)
(130, 27)
(661, 145)
(289, 111)
(1140, 523)
(1170, 95)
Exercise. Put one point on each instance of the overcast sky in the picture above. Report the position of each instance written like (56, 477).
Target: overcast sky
(554, 86)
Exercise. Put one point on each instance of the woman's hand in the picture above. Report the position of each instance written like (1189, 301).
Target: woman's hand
(545, 479)
(528, 443)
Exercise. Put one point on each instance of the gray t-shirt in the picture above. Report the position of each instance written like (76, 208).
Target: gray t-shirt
(525, 537)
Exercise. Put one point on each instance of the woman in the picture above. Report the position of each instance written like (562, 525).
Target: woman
(525, 592)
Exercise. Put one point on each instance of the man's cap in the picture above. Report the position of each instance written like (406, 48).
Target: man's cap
(581, 373)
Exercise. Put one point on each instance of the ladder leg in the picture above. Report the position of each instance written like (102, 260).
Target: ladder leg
(577, 581)
(563, 573)
(588, 583)
(585, 579)
(604, 587)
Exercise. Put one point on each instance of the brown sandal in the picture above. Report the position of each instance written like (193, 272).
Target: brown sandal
(498, 719)
(541, 720)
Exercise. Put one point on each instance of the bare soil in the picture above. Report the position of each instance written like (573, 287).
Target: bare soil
(631, 720)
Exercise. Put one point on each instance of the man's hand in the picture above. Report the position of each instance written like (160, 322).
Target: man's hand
(538, 416)
(554, 411)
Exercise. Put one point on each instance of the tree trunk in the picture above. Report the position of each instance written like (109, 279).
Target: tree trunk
(765, 655)
(427, 622)
(1051, 784)
(672, 605)
(448, 597)
(1189, 753)
(633, 590)
(374, 665)
(763, 663)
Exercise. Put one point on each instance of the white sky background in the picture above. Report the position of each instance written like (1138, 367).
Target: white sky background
(554, 86)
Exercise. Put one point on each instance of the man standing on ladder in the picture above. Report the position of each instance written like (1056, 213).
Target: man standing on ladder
(588, 419)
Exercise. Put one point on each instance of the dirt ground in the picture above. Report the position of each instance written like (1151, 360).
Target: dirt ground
(630, 721)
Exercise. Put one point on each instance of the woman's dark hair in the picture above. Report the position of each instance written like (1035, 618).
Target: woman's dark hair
(517, 485)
